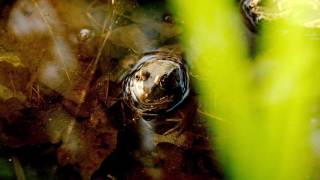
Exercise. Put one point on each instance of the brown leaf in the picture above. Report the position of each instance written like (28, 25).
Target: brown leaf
(21, 126)
(85, 145)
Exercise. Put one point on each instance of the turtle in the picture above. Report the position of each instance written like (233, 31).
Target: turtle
(157, 84)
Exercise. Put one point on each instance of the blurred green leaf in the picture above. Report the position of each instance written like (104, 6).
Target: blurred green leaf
(265, 129)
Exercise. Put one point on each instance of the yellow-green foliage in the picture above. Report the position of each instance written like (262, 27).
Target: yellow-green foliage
(265, 104)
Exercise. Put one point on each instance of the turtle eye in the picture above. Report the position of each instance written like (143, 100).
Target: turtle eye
(137, 77)
(145, 75)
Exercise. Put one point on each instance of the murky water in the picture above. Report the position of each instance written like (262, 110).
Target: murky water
(63, 114)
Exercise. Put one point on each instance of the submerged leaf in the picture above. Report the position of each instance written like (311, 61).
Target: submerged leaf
(84, 144)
